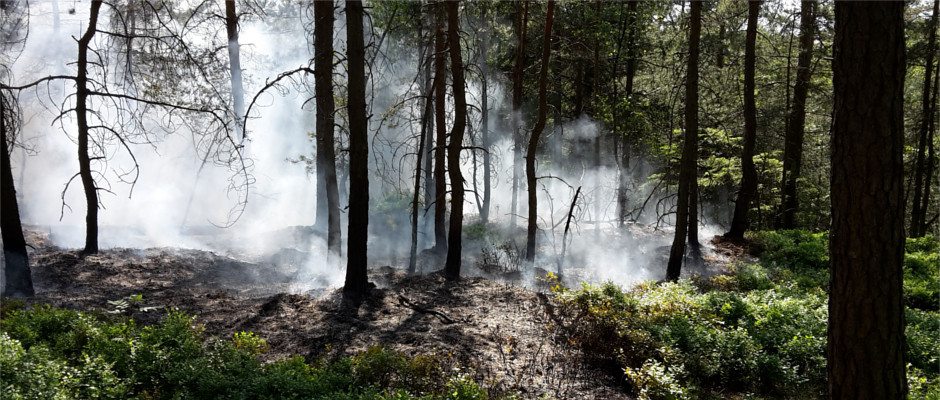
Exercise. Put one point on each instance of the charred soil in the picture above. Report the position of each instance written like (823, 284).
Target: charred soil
(498, 332)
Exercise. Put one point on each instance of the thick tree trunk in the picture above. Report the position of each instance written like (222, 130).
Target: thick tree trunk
(454, 245)
(793, 147)
(81, 116)
(440, 123)
(687, 168)
(536, 134)
(356, 284)
(235, 66)
(866, 347)
(17, 281)
(918, 213)
(523, 22)
(739, 223)
(326, 154)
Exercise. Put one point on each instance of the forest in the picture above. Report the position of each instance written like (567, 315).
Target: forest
(487, 199)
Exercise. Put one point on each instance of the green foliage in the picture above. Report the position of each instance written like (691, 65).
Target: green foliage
(922, 273)
(793, 249)
(760, 329)
(46, 353)
(653, 381)
(130, 304)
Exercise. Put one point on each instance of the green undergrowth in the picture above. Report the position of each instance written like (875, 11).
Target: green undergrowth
(48, 353)
(757, 332)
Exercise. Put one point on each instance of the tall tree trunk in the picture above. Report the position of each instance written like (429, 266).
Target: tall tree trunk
(523, 22)
(485, 132)
(739, 223)
(356, 283)
(866, 346)
(931, 159)
(918, 213)
(326, 154)
(454, 245)
(440, 122)
(427, 88)
(17, 281)
(624, 164)
(536, 134)
(81, 116)
(558, 128)
(687, 168)
(595, 111)
(235, 66)
(793, 147)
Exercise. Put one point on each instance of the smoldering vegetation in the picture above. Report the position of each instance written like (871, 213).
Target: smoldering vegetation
(184, 196)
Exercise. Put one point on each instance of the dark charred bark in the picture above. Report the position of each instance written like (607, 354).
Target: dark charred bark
(739, 223)
(326, 153)
(687, 168)
(81, 116)
(17, 280)
(440, 123)
(356, 284)
(522, 24)
(866, 346)
(536, 134)
(454, 245)
(919, 209)
(793, 147)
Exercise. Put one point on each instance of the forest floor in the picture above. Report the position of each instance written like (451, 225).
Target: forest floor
(497, 331)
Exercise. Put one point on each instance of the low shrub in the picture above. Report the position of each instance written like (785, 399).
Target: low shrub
(47, 353)
(760, 329)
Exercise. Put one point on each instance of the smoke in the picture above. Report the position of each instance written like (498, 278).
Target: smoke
(276, 225)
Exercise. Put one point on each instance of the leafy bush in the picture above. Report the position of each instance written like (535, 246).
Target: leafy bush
(793, 249)
(760, 329)
(47, 353)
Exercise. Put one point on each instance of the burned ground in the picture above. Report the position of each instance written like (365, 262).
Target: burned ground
(501, 333)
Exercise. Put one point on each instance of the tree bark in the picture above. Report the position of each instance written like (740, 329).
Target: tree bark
(536, 134)
(356, 284)
(427, 88)
(793, 147)
(931, 159)
(235, 66)
(17, 281)
(595, 108)
(624, 164)
(485, 135)
(523, 22)
(739, 222)
(866, 346)
(454, 245)
(918, 207)
(326, 153)
(687, 168)
(81, 116)
(440, 122)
